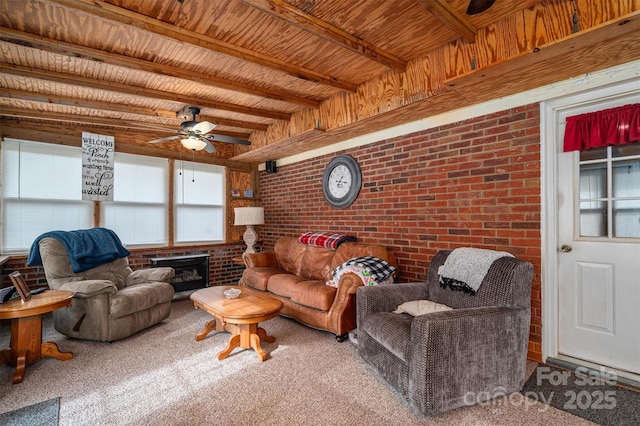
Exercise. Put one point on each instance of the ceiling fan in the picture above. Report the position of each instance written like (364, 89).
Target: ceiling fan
(195, 135)
(478, 6)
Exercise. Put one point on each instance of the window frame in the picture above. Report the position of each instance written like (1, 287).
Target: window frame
(96, 208)
(180, 178)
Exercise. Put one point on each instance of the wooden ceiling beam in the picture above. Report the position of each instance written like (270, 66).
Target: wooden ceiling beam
(291, 15)
(527, 61)
(90, 54)
(76, 80)
(459, 23)
(123, 16)
(129, 142)
(27, 95)
(111, 107)
(81, 119)
(103, 121)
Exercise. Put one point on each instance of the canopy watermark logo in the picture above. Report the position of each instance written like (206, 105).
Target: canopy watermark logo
(583, 389)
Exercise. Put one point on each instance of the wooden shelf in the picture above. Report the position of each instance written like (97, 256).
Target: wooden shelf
(240, 180)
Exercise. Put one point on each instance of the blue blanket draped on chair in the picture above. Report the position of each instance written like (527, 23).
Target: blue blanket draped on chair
(87, 248)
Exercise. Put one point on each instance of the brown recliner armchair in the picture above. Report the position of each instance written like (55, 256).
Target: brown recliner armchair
(110, 301)
(448, 359)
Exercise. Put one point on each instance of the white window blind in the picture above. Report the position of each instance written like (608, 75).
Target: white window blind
(41, 191)
(138, 213)
(199, 202)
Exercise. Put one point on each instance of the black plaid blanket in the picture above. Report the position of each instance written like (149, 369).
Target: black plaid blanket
(380, 269)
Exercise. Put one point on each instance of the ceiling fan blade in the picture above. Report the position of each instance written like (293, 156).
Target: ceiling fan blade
(209, 148)
(228, 139)
(203, 127)
(478, 6)
(168, 138)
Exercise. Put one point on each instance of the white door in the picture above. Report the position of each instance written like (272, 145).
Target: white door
(599, 249)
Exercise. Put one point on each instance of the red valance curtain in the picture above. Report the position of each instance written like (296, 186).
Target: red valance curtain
(613, 126)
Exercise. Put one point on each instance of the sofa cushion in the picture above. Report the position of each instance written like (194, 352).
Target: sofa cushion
(391, 330)
(314, 294)
(283, 284)
(289, 253)
(258, 277)
(316, 263)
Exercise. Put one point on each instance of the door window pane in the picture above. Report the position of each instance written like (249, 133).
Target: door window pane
(593, 219)
(609, 192)
(593, 181)
(626, 219)
(626, 150)
(593, 154)
(626, 179)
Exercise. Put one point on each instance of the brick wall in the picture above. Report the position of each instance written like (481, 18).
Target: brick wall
(472, 183)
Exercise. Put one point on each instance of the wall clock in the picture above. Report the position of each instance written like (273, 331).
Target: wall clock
(341, 181)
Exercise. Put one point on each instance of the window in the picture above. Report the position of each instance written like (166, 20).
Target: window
(138, 213)
(610, 192)
(199, 202)
(41, 191)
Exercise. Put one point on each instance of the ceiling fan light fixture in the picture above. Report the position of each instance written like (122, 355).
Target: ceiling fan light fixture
(193, 144)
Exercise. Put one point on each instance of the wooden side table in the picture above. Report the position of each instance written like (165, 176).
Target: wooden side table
(26, 330)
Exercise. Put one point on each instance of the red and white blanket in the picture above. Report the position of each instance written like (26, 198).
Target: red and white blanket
(324, 239)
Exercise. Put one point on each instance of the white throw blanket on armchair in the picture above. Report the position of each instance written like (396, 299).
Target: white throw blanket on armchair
(465, 268)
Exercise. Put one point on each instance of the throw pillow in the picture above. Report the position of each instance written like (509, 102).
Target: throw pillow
(420, 307)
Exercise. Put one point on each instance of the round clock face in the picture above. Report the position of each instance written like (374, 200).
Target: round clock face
(341, 181)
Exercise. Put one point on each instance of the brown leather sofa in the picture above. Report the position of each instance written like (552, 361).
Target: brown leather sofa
(297, 273)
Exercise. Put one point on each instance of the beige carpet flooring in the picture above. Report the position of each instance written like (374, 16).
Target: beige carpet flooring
(162, 376)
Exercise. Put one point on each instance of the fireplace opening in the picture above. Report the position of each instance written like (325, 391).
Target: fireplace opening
(192, 271)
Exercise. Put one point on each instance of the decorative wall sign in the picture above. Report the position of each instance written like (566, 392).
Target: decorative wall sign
(97, 167)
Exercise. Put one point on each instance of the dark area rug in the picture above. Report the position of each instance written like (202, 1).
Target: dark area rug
(585, 395)
(43, 413)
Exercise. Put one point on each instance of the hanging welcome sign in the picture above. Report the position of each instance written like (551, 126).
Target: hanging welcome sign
(97, 167)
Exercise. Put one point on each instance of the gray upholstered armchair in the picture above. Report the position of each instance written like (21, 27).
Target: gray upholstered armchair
(111, 301)
(443, 360)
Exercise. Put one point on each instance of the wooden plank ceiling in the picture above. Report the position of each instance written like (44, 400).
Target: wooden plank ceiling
(289, 76)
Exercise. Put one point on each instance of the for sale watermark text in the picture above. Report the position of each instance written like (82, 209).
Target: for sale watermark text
(582, 389)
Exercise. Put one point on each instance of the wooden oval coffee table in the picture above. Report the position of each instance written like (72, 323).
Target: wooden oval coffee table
(26, 330)
(238, 316)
